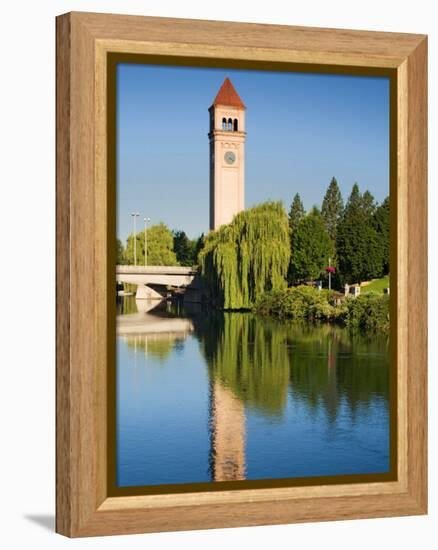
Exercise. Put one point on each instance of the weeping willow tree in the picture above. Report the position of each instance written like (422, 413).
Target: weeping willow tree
(242, 260)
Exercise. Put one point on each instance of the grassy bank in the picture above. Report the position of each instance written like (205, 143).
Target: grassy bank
(368, 311)
(377, 285)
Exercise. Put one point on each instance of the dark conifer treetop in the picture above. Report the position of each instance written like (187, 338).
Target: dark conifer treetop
(332, 208)
(296, 212)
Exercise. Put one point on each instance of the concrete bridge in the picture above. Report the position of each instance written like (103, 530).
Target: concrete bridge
(152, 280)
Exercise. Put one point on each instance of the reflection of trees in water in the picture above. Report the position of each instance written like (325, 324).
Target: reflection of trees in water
(334, 366)
(158, 346)
(324, 366)
(126, 305)
(249, 358)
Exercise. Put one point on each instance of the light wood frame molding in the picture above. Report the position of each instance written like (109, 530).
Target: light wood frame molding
(84, 41)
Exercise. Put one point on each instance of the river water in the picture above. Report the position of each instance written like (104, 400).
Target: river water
(204, 396)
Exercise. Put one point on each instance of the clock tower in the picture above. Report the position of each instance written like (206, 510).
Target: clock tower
(227, 155)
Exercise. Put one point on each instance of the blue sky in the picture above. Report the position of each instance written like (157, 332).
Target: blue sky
(302, 129)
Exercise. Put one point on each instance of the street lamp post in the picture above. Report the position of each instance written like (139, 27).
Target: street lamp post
(330, 269)
(330, 274)
(146, 220)
(134, 216)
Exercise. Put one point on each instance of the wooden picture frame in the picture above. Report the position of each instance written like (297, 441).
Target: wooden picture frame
(85, 42)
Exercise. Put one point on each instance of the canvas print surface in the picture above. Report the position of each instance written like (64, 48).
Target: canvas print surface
(252, 277)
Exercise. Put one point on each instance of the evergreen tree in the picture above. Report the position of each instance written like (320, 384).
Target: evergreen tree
(184, 248)
(368, 204)
(359, 249)
(382, 226)
(332, 208)
(311, 248)
(160, 247)
(296, 212)
(354, 201)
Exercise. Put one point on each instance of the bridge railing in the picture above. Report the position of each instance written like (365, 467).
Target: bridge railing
(156, 270)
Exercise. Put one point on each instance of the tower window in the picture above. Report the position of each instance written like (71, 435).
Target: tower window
(230, 125)
(236, 125)
(224, 123)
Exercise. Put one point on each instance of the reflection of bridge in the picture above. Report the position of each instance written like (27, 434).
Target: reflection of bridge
(153, 278)
(147, 324)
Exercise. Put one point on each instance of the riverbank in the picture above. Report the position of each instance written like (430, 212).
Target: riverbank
(302, 303)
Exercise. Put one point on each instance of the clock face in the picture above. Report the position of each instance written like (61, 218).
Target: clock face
(230, 157)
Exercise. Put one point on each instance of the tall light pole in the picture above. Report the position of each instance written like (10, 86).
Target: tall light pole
(135, 215)
(330, 269)
(330, 274)
(146, 220)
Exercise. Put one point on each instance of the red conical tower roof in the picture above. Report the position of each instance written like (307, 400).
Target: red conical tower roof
(228, 96)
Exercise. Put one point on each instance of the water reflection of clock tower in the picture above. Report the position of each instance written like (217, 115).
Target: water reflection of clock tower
(227, 156)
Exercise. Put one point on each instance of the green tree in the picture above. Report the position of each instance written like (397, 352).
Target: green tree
(332, 208)
(311, 248)
(382, 226)
(247, 257)
(184, 248)
(354, 201)
(368, 204)
(120, 253)
(359, 248)
(200, 243)
(159, 245)
(296, 212)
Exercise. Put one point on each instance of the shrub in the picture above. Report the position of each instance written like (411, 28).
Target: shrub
(368, 312)
(300, 303)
